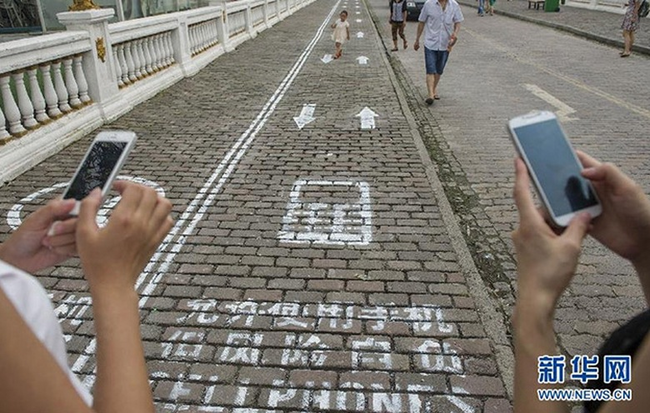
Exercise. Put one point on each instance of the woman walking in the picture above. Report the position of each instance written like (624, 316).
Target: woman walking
(630, 25)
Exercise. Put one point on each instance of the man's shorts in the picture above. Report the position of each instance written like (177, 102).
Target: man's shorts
(435, 61)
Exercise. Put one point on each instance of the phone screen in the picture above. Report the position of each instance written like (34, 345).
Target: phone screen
(96, 168)
(555, 167)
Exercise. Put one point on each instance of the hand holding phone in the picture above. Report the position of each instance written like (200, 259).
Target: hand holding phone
(624, 225)
(553, 166)
(100, 165)
(113, 257)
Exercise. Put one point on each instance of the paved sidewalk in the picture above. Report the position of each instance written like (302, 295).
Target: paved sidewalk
(494, 74)
(313, 269)
(600, 26)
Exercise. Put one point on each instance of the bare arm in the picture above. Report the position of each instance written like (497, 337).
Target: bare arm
(534, 337)
(122, 378)
(416, 44)
(637, 6)
(456, 29)
(30, 378)
(419, 32)
(546, 263)
(112, 259)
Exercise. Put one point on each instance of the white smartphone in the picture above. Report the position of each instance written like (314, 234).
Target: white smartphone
(553, 166)
(100, 165)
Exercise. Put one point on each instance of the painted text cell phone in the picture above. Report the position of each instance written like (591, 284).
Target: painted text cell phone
(100, 165)
(553, 166)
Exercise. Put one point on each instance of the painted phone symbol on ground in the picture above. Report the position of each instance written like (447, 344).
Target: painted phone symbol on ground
(14, 216)
(310, 219)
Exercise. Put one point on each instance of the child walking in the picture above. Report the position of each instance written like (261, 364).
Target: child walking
(341, 33)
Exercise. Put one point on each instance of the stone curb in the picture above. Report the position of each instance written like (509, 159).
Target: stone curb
(569, 29)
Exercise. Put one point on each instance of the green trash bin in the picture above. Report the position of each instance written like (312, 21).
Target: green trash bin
(552, 5)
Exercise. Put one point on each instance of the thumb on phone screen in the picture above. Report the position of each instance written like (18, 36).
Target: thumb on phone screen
(88, 212)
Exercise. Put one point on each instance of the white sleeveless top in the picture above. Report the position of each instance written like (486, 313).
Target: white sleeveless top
(31, 301)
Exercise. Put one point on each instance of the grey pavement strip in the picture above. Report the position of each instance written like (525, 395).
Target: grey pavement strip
(639, 48)
(490, 316)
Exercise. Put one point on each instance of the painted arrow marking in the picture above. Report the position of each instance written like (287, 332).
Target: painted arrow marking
(306, 115)
(327, 58)
(359, 35)
(358, 20)
(464, 407)
(367, 118)
(563, 110)
(363, 60)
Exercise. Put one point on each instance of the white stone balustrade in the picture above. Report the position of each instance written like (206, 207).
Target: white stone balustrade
(258, 13)
(203, 36)
(237, 22)
(34, 89)
(56, 88)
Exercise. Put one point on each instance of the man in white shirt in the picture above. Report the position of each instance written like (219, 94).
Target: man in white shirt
(440, 21)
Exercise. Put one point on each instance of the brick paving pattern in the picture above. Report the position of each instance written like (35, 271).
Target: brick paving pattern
(319, 274)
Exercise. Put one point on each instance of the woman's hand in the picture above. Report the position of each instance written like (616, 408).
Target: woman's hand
(45, 238)
(624, 225)
(114, 256)
(546, 261)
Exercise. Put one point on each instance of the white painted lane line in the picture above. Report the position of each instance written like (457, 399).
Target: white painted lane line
(200, 195)
(458, 402)
(306, 115)
(230, 162)
(238, 150)
(563, 110)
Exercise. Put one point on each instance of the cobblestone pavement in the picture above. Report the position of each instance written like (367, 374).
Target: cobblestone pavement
(311, 269)
(596, 25)
(495, 73)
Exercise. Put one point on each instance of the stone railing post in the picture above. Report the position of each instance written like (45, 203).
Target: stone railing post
(98, 64)
(266, 14)
(278, 11)
(249, 21)
(181, 44)
(222, 24)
